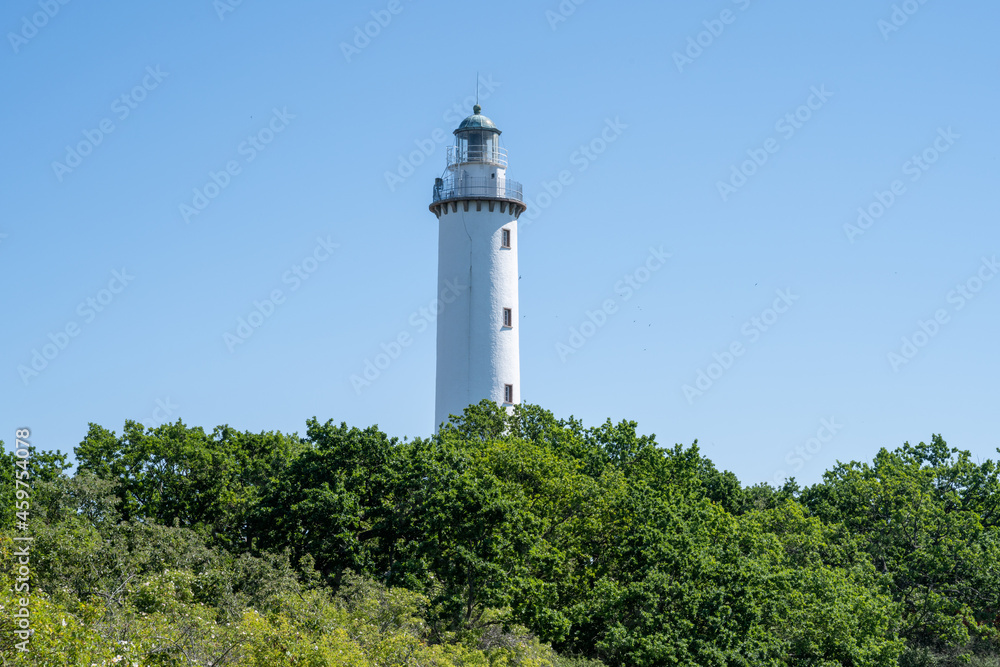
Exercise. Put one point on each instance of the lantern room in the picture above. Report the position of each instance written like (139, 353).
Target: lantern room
(477, 139)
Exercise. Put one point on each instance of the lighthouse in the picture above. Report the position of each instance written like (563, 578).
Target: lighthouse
(477, 208)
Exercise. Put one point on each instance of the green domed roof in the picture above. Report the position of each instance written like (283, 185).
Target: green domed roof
(477, 121)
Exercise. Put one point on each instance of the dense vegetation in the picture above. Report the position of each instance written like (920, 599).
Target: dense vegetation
(504, 540)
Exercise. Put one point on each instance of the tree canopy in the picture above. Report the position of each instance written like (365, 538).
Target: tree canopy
(508, 538)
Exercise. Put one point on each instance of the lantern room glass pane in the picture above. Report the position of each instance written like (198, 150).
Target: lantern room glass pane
(477, 147)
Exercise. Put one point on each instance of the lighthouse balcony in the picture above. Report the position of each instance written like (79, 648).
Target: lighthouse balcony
(487, 153)
(477, 188)
(469, 191)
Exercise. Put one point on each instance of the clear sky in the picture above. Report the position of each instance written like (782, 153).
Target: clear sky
(170, 168)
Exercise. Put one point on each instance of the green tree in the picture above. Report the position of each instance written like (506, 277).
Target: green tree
(173, 473)
(926, 515)
(333, 501)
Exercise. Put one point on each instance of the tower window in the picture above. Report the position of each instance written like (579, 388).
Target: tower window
(508, 317)
(505, 238)
(508, 393)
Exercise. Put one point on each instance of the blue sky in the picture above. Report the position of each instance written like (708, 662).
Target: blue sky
(217, 155)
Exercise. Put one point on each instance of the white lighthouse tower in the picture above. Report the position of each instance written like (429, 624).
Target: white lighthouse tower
(477, 331)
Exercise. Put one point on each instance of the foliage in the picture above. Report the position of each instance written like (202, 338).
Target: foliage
(173, 473)
(509, 538)
(928, 518)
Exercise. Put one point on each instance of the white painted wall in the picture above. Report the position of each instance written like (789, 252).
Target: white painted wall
(476, 354)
